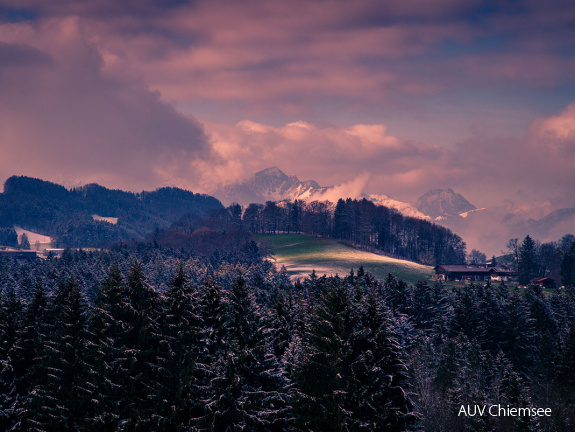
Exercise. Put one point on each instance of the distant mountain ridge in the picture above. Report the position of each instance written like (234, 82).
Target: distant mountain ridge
(439, 203)
(556, 223)
(272, 184)
(486, 229)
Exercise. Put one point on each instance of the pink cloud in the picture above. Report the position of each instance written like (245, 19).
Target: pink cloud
(556, 133)
(296, 58)
(265, 52)
(486, 169)
(330, 155)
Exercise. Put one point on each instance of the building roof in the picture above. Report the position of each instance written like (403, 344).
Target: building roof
(542, 279)
(474, 269)
(460, 268)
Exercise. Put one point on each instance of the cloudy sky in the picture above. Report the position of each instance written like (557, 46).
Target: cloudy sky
(394, 97)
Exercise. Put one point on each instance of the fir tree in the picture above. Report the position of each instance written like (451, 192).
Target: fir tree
(179, 338)
(10, 309)
(398, 295)
(126, 344)
(320, 395)
(527, 266)
(517, 337)
(212, 346)
(10, 404)
(466, 317)
(566, 375)
(565, 385)
(546, 333)
(512, 392)
(108, 377)
(249, 392)
(30, 341)
(377, 399)
(24, 242)
(58, 400)
(280, 326)
(140, 348)
(568, 267)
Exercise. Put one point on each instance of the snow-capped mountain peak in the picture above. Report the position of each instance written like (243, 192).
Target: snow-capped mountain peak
(441, 203)
(272, 184)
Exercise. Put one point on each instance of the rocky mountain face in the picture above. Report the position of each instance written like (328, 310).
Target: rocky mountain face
(271, 184)
(489, 229)
(440, 203)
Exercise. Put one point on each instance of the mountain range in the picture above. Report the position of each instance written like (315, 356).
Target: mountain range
(485, 229)
(272, 184)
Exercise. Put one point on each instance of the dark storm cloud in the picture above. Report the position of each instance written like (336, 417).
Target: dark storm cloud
(296, 57)
(16, 55)
(62, 116)
(88, 8)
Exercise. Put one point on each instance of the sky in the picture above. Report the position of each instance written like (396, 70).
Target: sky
(392, 97)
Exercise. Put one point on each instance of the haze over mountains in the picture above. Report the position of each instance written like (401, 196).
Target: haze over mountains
(485, 229)
(488, 229)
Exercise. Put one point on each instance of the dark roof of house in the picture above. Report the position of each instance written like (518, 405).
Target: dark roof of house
(459, 268)
(542, 279)
(19, 253)
(471, 269)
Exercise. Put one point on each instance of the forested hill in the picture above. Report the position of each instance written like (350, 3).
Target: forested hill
(362, 223)
(68, 215)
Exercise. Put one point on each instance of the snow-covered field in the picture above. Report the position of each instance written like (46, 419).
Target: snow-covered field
(112, 220)
(32, 236)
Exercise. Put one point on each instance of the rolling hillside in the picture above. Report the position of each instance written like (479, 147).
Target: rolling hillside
(301, 254)
(92, 215)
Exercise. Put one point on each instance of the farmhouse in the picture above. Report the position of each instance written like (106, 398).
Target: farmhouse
(472, 272)
(544, 282)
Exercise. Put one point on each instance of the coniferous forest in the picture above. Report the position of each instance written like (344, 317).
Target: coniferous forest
(151, 338)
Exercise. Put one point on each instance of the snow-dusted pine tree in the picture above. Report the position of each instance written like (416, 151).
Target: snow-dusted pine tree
(249, 390)
(58, 400)
(10, 404)
(179, 338)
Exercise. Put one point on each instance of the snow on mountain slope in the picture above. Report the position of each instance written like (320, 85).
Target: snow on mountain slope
(272, 184)
(404, 208)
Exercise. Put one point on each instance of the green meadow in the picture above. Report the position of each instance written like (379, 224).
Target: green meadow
(301, 254)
